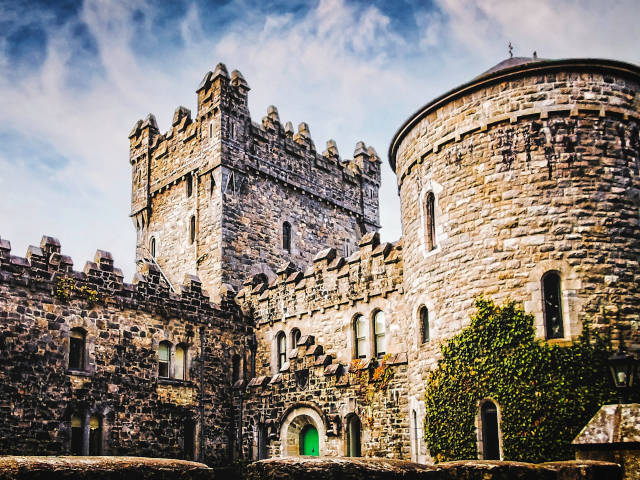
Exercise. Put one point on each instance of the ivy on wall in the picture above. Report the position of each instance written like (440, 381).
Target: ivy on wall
(546, 393)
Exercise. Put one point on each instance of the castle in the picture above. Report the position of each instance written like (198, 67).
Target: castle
(265, 299)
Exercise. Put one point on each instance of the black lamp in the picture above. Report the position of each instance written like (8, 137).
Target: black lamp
(622, 366)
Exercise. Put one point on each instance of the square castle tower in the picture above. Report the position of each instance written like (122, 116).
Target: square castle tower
(222, 197)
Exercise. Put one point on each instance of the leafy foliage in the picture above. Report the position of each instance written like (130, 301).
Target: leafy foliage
(546, 392)
(66, 288)
(371, 378)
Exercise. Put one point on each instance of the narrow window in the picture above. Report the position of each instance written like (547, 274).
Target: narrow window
(295, 338)
(76, 349)
(282, 349)
(552, 305)
(212, 184)
(189, 184)
(361, 330)
(192, 229)
(76, 435)
(95, 436)
(490, 433)
(152, 247)
(262, 442)
(430, 220)
(211, 130)
(286, 236)
(189, 439)
(379, 333)
(235, 368)
(424, 324)
(180, 367)
(164, 351)
(353, 437)
(416, 436)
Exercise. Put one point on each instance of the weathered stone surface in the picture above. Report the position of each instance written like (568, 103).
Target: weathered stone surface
(101, 468)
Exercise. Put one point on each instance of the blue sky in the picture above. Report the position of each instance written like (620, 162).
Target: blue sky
(75, 76)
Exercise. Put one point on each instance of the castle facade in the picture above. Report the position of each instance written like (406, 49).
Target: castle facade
(267, 318)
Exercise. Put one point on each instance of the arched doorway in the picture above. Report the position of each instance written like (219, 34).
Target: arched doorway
(490, 431)
(309, 443)
(353, 436)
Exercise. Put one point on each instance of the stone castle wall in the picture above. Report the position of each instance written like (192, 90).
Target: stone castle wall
(238, 170)
(532, 172)
(42, 299)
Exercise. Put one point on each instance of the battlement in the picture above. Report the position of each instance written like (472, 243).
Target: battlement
(375, 269)
(46, 269)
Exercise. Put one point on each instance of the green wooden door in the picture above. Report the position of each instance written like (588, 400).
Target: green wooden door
(309, 441)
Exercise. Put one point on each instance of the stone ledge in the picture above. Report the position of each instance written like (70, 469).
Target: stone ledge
(101, 468)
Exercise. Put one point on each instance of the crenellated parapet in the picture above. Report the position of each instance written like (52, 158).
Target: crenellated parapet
(47, 270)
(373, 270)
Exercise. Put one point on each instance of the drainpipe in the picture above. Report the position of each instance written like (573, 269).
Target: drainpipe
(202, 423)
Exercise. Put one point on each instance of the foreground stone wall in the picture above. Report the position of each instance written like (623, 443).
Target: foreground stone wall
(100, 468)
(140, 413)
(384, 469)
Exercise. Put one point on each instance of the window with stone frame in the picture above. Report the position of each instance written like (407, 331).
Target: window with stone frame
(295, 337)
(379, 333)
(180, 363)
(236, 368)
(286, 237)
(189, 184)
(423, 315)
(192, 229)
(281, 346)
(77, 349)
(95, 436)
(77, 433)
(430, 220)
(552, 305)
(361, 336)
(152, 247)
(164, 359)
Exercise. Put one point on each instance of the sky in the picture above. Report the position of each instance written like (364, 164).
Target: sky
(75, 76)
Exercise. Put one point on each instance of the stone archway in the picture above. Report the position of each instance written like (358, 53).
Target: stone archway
(296, 423)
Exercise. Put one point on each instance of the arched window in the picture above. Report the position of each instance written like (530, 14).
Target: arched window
(430, 220)
(192, 229)
(361, 333)
(180, 367)
(95, 436)
(76, 435)
(353, 436)
(379, 333)
(164, 355)
(424, 324)
(189, 185)
(552, 305)
(235, 368)
(77, 349)
(295, 338)
(286, 236)
(281, 345)
(490, 431)
(152, 247)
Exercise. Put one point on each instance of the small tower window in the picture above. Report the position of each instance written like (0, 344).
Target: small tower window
(180, 367)
(424, 324)
(95, 436)
(189, 184)
(490, 431)
(295, 338)
(152, 247)
(379, 333)
(286, 236)
(361, 331)
(192, 229)
(281, 345)
(430, 220)
(76, 349)
(164, 352)
(552, 305)
(235, 368)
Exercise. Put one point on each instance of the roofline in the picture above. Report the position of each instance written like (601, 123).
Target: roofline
(534, 67)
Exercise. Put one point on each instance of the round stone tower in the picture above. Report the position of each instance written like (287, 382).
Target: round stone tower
(524, 183)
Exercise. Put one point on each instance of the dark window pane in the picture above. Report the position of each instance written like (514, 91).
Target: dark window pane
(490, 436)
(286, 236)
(430, 220)
(76, 350)
(76, 436)
(552, 298)
(424, 324)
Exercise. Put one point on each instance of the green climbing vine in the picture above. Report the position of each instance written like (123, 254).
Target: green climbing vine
(546, 392)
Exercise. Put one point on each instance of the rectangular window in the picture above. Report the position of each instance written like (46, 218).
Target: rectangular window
(163, 360)
(379, 329)
(179, 365)
(362, 342)
(76, 350)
